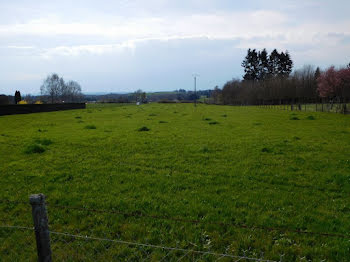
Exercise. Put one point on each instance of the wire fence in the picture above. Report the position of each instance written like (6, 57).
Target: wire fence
(79, 234)
(337, 107)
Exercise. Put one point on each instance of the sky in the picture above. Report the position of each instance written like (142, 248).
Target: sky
(157, 45)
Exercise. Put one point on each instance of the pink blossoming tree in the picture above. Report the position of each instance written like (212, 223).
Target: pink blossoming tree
(334, 83)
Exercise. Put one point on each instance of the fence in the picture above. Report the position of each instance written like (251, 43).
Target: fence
(37, 108)
(62, 241)
(313, 106)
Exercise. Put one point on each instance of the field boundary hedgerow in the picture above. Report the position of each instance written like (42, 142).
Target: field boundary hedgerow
(38, 108)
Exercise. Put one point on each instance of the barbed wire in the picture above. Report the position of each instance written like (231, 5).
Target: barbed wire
(129, 243)
(14, 202)
(139, 214)
(187, 251)
(16, 227)
(194, 221)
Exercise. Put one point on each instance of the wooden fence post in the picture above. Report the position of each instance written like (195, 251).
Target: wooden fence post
(41, 227)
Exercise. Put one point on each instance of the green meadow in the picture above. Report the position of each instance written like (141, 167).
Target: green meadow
(237, 180)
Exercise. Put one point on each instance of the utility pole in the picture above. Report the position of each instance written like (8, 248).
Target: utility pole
(195, 88)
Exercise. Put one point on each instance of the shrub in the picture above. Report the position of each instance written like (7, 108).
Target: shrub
(90, 127)
(310, 118)
(144, 128)
(34, 149)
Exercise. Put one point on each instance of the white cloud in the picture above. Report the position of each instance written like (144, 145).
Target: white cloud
(122, 34)
(76, 38)
(213, 25)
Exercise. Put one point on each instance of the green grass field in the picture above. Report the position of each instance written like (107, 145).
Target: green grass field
(235, 165)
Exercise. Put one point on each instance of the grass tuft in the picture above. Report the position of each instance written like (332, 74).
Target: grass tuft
(90, 127)
(34, 149)
(205, 149)
(44, 142)
(266, 150)
(310, 118)
(144, 128)
(213, 123)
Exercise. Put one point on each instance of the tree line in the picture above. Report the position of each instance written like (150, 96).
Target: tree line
(268, 79)
(53, 90)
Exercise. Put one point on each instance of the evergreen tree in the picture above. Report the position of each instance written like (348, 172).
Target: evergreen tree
(263, 65)
(274, 61)
(259, 66)
(251, 65)
(317, 73)
(285, 65)
(17, 97)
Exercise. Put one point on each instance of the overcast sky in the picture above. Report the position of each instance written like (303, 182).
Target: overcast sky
(121, 46)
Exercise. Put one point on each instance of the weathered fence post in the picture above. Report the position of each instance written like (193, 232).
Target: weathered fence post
(41, 227)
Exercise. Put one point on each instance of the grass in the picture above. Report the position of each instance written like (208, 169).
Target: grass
(255, 168)
(310, 118)
(144, 128)
(34, 149)
(90, 127)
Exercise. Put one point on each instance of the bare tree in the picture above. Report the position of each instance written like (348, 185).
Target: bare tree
(52, 87)
(57, 90)
(71, 92)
